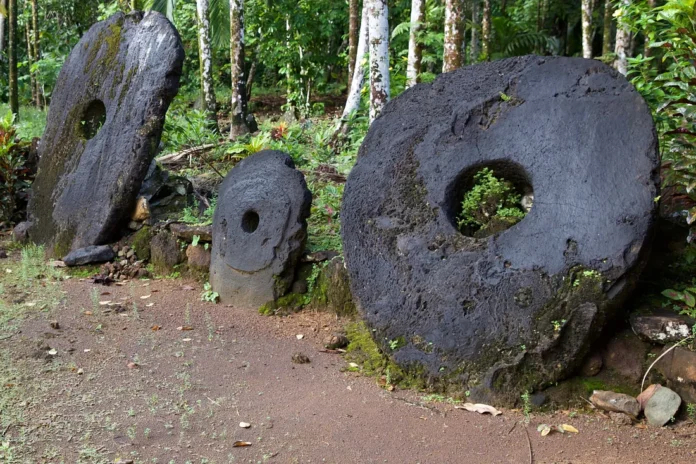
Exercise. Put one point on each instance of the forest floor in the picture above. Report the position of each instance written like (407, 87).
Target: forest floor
(145, 372)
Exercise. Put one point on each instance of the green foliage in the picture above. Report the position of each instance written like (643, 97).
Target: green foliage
(526, 406)
(190, 215)
(186, 128)
(490, 199)
(12, 159)
(208, 294)
(668, 85)
(687, 299)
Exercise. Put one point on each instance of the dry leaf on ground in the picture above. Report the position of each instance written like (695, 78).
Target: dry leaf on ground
(241, 444)
(479, 408)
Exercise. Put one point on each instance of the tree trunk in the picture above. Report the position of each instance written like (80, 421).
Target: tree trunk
(239, 104)
(353, 38)
(606, 32)
(486, 30)
(37, 50)
(586, 13)
(415, 50)
(206, 59)
(30, 60)
(12, 49)
(358, 78)
(454, 15)
(2, 29)
(623, 42)
(647, 51)
(474, 49)
(378, 14)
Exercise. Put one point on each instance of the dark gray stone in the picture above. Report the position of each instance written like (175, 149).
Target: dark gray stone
(187, 232)
(20, 233)
(89, 255)
(259, 229)
(577, 133)
(661, 326)
(662, 407)
(104, 125)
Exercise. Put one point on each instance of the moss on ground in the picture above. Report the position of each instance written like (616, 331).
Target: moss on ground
(140, 242)
(290, 303)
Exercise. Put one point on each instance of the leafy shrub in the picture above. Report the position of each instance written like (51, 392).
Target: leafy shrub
(12, 182)
(491, 200)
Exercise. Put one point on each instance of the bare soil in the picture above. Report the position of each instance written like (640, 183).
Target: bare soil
(127, 381)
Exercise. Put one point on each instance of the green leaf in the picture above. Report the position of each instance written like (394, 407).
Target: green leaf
(673, 294)
(689, 299)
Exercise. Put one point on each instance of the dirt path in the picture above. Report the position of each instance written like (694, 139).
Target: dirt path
(184, 393)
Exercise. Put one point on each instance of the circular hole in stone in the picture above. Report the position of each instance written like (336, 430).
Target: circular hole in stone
(250, 222)
(93, 118)
(489, 198)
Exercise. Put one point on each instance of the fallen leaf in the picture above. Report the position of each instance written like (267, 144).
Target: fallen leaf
(479, 408)
(132, 365)
(244, 425)
(105, 293)
(569, 428)
(354, 365)
(56, 263)
(80, 371)
(150, 305)
(241, 444)
(155, 328)
(87, 350)
(145, 297)
(9, 271)
(299, 336)
(146, 285)
(187, 287)
(104, 303)
(544, 429)
(185, 327)
(53, 352)
(185, 339)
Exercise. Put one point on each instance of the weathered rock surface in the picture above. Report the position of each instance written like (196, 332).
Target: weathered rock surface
(332, 289)
(662, 326)
(592, 365)
(259, 229)
(478, 314)
(164, 252)
(104, 125)
(89, 255)
(646, 394)
(662, 407)
(198, 258)
(625, 354)
(616, 402)
(679, 369)
(187, 232)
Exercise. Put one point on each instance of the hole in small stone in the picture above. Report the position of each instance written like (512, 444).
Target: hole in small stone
(250, 222)
(93, 118)
(489, 198)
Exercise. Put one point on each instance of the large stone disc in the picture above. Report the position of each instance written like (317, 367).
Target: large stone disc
(104, 125)
(519, 309)
(259, 229)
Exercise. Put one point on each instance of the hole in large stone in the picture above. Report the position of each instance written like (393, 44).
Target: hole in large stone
(489, 198)
(93, 118)
(250, 222)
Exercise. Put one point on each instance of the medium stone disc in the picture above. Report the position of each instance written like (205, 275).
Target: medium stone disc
(103, 129)
(519, 309)
(259, 229)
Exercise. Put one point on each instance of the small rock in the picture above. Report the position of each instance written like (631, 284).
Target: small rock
(186, 232)
(615, 402)
(319, 256)
(620, 418)
(20, 233)
(88, 255)
(142, 210)
(537, 399)
(3, 254)
(300, 287)
(662, 407)
(300, 358)
(661, 326)
(593, 364)
(624, 355)
(130, 254)
(679, 369)
(121, 253)
(55, 325)
(645, 396)
(336, 341)
(299, 336)
(244, 425)
(198, 258)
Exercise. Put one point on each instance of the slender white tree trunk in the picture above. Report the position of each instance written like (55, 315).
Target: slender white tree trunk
(486, 30)
(623, 42)
(206, 59)
(474, 49)
(415, 51)
(378, 14)
(238, 101)
(586, 13)
(452, 58)
(358, 80)
(353, 38)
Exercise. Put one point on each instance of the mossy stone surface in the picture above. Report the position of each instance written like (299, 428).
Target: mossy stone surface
(104, 123)
(331, 290)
